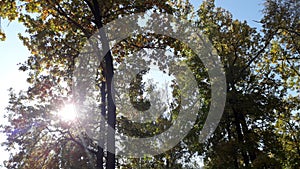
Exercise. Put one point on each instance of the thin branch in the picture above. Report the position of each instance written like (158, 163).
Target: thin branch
(296, 71)
(296, 46)
(79, 143)
(60, 10)
(296, 58)
(258, 53)
(90, 5)
(289, 30)
(236, 56)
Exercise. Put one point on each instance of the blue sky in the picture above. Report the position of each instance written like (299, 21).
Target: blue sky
(248, 10)
(13, 52)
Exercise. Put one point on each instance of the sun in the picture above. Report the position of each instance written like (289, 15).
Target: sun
(68, 113)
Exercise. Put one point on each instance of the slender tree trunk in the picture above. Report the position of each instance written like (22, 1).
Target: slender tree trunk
(100, 153)
(240, 137)
(252, 145)
(109, 72)
(99, 156)
(111, 108)
(235, 159)
(237, 122)
(111, 117)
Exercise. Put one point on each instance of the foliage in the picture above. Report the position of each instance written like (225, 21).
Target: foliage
(256, 94)
(260, 123)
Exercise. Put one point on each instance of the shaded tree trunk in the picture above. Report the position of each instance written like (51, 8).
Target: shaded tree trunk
(111, 112)
(100, 153)
(237, 122)
(99, 156)
(109, 72)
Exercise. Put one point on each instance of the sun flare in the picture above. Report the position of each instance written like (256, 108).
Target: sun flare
(68, 113)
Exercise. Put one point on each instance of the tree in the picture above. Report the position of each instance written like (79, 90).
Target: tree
(58, 30)
(244, 137)
(55, 40)
(260, 121)
(282, 57)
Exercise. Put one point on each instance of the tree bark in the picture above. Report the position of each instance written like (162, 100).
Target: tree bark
(100, 153)
(109, 72)
(237, 122)
(99, 156)
(111, 112)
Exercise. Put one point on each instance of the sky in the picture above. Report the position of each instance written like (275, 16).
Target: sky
(13, 52)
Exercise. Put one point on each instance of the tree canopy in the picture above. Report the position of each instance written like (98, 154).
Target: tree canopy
(260, 123)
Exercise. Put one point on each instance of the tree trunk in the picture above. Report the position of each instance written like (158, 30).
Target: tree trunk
(109, 72)
(100, 153)
(251, 149)
(237, 122)
(240, 137)
(111, 159)
(99, 156)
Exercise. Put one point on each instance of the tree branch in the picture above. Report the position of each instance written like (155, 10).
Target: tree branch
(259, 52)
(79, 143)
(294, 68)
(60, 10)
